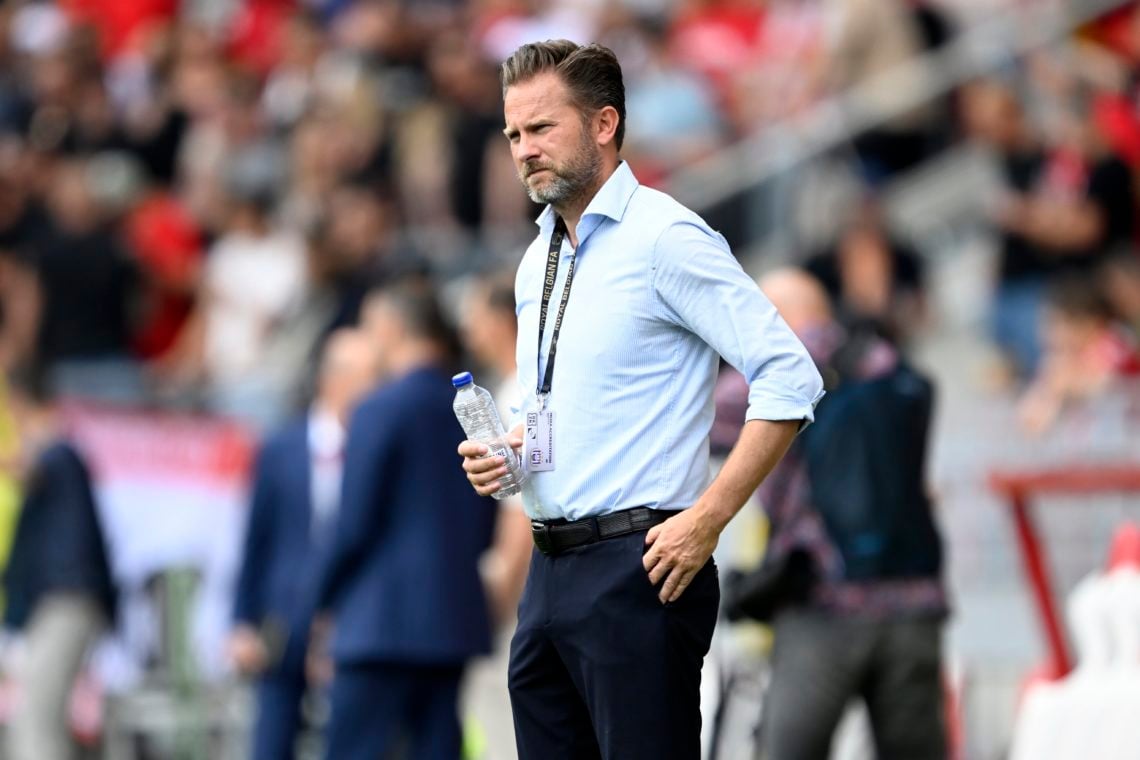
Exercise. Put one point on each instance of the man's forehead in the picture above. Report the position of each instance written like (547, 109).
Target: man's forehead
(539, 94)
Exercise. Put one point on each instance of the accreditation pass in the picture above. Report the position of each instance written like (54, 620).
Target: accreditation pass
(539, 443)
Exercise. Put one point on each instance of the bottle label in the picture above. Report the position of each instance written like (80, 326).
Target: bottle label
(539, 447)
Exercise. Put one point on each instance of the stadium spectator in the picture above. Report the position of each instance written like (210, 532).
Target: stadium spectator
(995, 117)
(166, 244)
(290, 87)
(1065, 207)
(1120, 279)
(1086, 352)
(255, 278)
(358, 247)
(871, 277)
(679, 118)
(20, 304)
(22, 217)
(89, 284)
(865, 39)
(781, 82)
(718, 39)
(471, 116)
(1083, 207)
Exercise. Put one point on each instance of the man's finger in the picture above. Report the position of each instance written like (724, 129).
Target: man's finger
(649, 559)
(488, 489)
(472, 449)
(660, 570)
(683, 584)
(674, 585)
(487, 476)
(487, 464)
(651, 536)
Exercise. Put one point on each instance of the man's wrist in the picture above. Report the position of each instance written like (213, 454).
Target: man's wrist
(713, 513)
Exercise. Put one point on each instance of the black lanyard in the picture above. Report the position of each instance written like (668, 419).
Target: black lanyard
(552, 258)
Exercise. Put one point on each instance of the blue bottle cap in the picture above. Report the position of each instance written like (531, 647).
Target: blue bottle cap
(462, 379)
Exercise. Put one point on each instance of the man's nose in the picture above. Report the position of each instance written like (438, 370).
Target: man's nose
(526, 149)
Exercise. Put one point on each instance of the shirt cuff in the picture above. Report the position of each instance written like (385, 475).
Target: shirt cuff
(779, 407)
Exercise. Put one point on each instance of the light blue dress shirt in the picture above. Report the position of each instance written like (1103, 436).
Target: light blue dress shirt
(656, 296)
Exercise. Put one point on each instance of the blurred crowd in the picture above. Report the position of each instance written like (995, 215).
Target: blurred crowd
(196, 195)
(1064, 131)
(203, 190)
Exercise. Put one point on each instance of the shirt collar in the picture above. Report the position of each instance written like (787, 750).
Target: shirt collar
(611, 199)
(326, 434)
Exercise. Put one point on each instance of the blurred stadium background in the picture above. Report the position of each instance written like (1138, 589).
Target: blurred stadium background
(194, 193)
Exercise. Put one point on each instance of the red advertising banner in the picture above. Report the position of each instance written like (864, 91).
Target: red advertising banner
(172, 491)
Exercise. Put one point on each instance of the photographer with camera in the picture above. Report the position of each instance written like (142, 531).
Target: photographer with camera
(851, 579)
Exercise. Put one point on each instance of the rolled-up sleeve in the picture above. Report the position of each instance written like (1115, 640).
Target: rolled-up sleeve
(704, 289)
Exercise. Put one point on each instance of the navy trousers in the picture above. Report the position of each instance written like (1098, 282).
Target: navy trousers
(599, 667)
(382, 711)
(278, 721)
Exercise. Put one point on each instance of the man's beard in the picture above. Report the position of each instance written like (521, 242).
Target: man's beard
(568, 182)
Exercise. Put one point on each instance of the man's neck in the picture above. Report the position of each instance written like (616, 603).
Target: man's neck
(571, 214)
(411, 356)
(330, 407)
(571, 211)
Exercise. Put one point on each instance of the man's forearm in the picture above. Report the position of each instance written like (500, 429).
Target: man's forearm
(761, 445)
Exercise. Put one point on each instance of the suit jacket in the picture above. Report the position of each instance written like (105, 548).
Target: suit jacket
(402, 580)
(276, 590)
(59, 544)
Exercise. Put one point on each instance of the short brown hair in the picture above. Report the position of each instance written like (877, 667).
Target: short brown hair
(591, 72)
(498, 291)
(415, 301)
(1080, 297)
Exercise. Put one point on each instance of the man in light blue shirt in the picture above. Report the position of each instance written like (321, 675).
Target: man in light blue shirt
(625, 300)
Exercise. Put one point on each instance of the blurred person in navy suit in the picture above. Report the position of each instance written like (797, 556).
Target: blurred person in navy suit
(490, 332)
(401, 587)
(295, 499)
(60, 592)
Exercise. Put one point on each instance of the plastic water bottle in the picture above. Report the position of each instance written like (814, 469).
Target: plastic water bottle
(477, 413)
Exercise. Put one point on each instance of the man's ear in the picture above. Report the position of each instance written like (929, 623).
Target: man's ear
(605, 125)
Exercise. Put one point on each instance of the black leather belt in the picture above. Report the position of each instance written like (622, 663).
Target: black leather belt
(556, 536)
